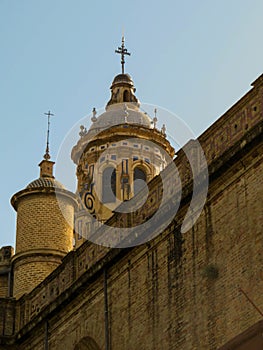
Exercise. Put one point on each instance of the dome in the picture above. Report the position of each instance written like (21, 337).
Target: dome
(122, 78)
(45, 182)
(123, 108)
(121, 114)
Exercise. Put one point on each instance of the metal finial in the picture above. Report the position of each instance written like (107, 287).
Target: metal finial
(163, 130)
(47, 155)
(155, 118)
(94, 118)
(122, 51)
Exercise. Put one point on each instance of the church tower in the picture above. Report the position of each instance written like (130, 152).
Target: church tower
(117, 156)
(44, 234)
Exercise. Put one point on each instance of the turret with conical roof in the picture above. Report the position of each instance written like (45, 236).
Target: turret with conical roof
(44, 233)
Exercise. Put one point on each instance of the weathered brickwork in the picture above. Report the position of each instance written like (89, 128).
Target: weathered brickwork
(231, 126)
(7, 316)
(178, 291)
(33, 217)
(74, 266)
(3, 285)
(33, 270)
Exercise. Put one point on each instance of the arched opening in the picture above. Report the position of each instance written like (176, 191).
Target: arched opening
(109, 185)
(87, 343)
(139, 180)
(126, 96)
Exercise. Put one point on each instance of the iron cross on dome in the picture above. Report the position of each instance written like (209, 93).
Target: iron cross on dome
(122, 51)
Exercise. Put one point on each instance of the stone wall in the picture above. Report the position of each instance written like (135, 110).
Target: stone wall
(6, 254)
(7, 317)
(175, 292)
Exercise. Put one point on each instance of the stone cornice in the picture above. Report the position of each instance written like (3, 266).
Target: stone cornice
(43, 190)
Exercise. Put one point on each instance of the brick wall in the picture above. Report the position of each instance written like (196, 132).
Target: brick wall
(36, 228)
(178, 291)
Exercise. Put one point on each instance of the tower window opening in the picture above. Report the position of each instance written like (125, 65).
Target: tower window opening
(126, 96)
(109, 185)
(139, 180)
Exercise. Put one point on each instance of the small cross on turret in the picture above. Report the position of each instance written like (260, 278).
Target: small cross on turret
(47, 155)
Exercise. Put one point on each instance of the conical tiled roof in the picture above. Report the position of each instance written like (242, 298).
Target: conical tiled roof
(45, 182)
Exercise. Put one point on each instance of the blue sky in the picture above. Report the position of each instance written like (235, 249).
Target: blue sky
(195, 58)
